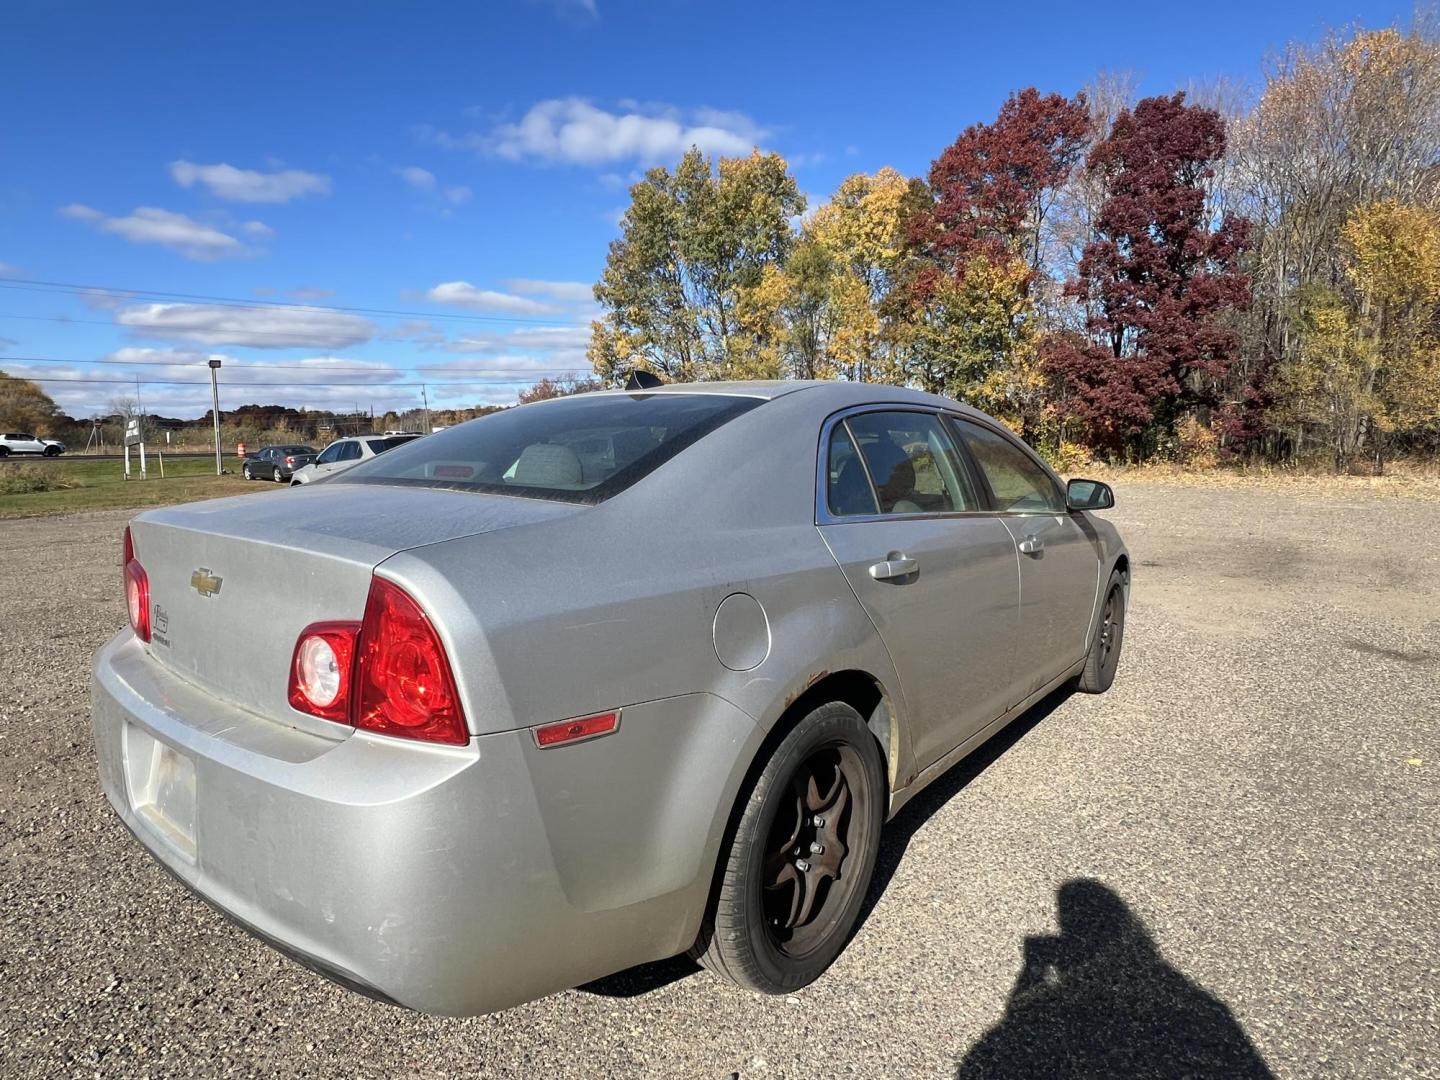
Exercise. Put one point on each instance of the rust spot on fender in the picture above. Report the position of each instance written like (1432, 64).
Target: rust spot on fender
(794, 695)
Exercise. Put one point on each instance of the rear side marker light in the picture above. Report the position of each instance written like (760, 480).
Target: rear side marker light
(569, 731)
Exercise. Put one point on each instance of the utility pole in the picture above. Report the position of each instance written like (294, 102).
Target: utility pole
(425, 397)
(215, 408)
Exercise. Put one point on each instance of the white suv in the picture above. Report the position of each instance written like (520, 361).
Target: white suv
(20, 442)
(344, 453)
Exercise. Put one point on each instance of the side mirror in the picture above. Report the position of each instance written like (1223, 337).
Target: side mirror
(1088, 495)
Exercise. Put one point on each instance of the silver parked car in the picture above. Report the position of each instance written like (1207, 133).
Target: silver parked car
(346, 453)
(594, 681)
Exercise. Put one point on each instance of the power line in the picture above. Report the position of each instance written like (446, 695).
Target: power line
(373, 384)
(161, 296)
(198, 365)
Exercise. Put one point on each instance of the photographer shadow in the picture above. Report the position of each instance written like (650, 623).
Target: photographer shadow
(1098, 1000)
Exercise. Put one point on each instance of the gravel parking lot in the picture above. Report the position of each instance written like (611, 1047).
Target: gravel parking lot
(1227, 866)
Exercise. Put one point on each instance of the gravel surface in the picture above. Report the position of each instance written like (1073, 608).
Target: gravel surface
(1226, 866)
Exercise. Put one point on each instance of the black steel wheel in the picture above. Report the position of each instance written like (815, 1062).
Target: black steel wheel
(798, 862)
(1104, 655)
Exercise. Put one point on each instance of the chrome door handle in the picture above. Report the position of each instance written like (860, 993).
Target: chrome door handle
(1032, 545)
(896, 565)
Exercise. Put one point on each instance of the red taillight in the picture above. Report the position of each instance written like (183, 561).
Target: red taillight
(566, 731)
(137, 591)
(289, 461)
(387, 673)
(403, 681)
(322, 670)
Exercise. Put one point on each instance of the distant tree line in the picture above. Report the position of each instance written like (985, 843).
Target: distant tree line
(1192, 274)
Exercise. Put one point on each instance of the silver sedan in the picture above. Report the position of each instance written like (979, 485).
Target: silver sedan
(594, 681)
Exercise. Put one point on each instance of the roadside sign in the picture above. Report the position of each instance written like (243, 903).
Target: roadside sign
(132, 431)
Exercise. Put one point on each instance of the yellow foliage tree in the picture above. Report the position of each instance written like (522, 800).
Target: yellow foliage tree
(1369, 362)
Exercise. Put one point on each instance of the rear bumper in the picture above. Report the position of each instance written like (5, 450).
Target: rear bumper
(455, 880)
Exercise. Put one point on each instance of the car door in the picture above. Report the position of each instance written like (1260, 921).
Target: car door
(1059, 561)
(328, 457)
(935, 571)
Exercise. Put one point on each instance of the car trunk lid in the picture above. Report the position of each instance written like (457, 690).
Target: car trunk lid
(233, 582)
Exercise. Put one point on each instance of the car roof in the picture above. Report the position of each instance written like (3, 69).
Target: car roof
(829, 393)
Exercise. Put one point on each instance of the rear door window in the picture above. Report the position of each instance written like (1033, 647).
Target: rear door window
(584, 448)
(912, 463)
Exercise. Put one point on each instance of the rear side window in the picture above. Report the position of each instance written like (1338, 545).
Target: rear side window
(1018, 483)
(582, 449)
(912, 466)
(350, 451)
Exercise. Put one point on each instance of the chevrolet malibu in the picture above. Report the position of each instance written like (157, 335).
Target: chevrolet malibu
(594, 681)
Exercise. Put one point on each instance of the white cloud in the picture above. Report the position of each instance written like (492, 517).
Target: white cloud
(151, 225)
(569, 292)
(247, 185)
(463, 294)
(573, 130)
(258, 228)
(7, 270)
(80, 212)
(564, 343)
(458, 194)
(258, 327)
(416, 177)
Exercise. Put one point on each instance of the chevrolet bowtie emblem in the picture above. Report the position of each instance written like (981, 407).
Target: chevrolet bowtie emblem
(204, 582)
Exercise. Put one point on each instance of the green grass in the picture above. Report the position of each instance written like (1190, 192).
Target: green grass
(72, 486)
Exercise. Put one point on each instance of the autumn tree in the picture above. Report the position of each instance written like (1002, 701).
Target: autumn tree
(995, 184)
(1339, 125)
(967, 321)
(1367, 355)
(26, 407)
(1158, 278)
(691, 241)
(562, 386)
(819, 315)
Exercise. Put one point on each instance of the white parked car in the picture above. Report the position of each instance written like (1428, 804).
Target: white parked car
(20, 442)
(345, 453)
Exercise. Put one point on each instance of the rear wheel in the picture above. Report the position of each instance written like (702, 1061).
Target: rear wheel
(277, 477)
(795, 871)
(1104, 654)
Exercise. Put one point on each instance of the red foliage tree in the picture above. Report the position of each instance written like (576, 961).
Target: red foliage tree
(1155, 278)
(993, 185)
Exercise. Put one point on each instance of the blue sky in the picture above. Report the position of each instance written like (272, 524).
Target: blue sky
(464, 164)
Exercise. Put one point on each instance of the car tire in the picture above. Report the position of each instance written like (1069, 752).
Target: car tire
(51, 451)
(1104, 655)
(789, 891)
(277, 477)
(4, 451)
(245, 472)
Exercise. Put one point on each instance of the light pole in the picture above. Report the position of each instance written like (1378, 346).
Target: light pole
(215, 409)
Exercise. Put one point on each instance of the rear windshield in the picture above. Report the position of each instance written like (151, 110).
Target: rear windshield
(389, 442)
(577, 449)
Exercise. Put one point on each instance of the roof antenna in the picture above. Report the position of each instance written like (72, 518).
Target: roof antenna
(643, 380)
